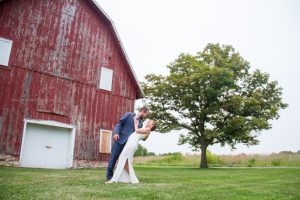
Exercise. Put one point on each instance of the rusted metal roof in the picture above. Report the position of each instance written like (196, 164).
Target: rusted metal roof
(120, 43)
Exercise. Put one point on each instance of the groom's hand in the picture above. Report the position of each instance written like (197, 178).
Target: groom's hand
(116, 137)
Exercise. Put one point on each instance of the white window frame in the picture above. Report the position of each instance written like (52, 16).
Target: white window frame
(105, 83)
(5, 50)
(100, 137)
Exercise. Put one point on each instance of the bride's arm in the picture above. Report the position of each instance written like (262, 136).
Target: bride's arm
(143, 130)
(140, 130)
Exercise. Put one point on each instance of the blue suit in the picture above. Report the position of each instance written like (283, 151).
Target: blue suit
(124, 128)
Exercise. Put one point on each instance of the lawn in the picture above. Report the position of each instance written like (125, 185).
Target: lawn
(155, 183)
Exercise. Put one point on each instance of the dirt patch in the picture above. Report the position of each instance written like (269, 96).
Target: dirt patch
(13, 161)
(88, 164)
(9, 161)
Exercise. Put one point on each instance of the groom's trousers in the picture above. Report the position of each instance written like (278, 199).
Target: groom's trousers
(115, 152)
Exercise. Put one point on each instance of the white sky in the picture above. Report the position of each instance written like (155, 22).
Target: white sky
(265, 32)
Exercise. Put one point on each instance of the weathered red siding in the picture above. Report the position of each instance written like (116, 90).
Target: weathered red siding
(58, 50)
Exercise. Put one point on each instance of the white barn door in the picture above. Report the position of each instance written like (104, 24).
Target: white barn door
(46, 146)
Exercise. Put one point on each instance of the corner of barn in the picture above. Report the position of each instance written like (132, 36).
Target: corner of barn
(65, 81)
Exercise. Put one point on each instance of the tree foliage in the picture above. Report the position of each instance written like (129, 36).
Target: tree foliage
(215, 97)
(142, 151)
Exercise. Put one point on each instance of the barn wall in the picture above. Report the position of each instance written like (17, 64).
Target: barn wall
(58, 50)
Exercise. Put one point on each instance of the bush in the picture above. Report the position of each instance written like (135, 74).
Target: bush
(251, 162)
(240, 160)
(174, 157)
(142, 151)
(276, 162)
(150, 154)
(169, 159)
(212, 159)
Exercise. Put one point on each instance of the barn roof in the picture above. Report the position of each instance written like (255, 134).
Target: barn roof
(140, 93)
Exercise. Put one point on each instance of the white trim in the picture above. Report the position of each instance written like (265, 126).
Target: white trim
(22, 145)
(56, 124)
(49, 123)
(6, 58)
(100, 143)
(106, 84)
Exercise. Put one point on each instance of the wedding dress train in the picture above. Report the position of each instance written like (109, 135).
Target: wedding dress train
(120, 174)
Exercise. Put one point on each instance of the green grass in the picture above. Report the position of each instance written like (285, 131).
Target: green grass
(155, 183)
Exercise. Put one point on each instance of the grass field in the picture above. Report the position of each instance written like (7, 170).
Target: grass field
(241, 160)
(155, 183)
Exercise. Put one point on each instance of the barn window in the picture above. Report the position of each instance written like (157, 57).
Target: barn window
(5, 48)
(105, 141)
(106, 79)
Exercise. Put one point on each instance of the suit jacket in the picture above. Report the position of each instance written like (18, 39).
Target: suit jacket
(125, 127)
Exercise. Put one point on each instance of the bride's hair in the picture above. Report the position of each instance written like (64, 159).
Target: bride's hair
(154, 125)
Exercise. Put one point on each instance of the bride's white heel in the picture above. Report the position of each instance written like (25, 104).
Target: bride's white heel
(109, 182)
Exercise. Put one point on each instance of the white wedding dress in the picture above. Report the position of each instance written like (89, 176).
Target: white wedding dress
(120, 174)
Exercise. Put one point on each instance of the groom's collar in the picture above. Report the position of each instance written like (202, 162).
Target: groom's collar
(137, 114)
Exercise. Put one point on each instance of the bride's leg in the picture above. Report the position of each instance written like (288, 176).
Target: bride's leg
(126, 167)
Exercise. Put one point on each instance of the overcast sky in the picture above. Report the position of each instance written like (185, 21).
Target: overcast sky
(266, 33)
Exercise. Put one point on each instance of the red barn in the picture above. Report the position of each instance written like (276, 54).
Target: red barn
(65, 80)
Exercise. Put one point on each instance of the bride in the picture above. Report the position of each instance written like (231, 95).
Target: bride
(124, 172)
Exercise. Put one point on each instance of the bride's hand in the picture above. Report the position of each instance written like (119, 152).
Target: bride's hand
(136, 121)
(146, 137)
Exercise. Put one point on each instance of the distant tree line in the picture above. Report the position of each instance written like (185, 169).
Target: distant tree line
(142, 151)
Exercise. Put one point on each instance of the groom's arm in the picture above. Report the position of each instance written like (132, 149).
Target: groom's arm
(120, 123)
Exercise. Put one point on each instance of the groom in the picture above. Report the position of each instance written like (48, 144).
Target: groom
(123, 129)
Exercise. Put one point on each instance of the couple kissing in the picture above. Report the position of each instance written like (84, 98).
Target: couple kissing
(127, 134)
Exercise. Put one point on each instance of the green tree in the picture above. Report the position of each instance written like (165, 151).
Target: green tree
(142, 151)
(215, 97)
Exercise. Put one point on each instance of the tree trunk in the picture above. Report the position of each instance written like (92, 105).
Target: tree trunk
(203, 163)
